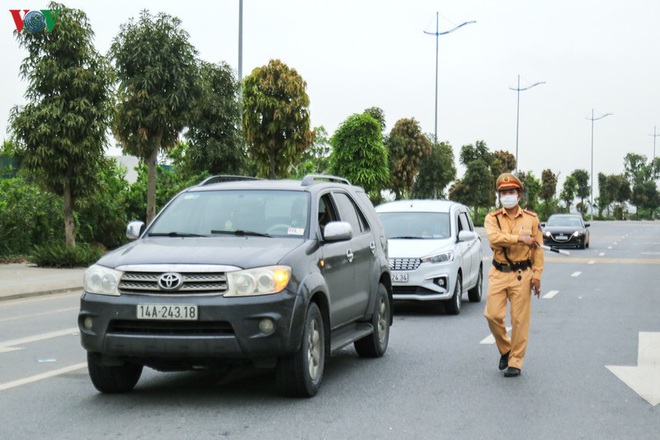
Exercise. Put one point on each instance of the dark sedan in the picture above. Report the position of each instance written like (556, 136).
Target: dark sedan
(566, 230)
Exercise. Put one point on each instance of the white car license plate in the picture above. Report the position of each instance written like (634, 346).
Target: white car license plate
(398, 277)
(178, 312)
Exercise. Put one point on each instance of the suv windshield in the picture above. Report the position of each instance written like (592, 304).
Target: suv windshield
(244, 212)
(415, 225)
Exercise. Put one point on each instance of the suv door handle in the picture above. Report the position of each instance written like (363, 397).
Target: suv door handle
(349, 256)
(372, 246)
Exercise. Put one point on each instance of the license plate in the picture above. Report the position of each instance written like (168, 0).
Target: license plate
(399, 277)
(178, 312)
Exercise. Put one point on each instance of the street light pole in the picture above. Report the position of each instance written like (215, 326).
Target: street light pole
(437, 34)
(591, 190)
(518, 90)
(654, 136)
(240, 50)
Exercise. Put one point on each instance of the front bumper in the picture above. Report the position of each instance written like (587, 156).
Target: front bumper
(226, 328)
(429, 282)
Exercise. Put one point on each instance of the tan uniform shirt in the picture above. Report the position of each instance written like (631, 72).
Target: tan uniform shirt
(520, 224)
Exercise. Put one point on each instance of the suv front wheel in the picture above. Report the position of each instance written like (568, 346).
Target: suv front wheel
(375, 344)
(112, 379)
(300, 375)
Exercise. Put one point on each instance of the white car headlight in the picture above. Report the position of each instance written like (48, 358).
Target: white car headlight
(443, 257)
(102, 280)
(259, 281)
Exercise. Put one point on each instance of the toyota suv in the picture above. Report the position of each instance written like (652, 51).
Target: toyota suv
(262, 273)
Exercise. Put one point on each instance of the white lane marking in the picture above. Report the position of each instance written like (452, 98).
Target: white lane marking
(609, 247)
(550, 294)
(36, 315)
(601, 254)
(644, 378)
(42, 298)
(41, 337)
(615, 243)
(38, 377)
(9, 349)
(591, 262)
(576, 274)
(490, 339)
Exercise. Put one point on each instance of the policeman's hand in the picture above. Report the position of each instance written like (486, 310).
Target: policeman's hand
(536, 287)
(529, 241)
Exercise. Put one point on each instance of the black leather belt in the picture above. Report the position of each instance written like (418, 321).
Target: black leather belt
(517, 265)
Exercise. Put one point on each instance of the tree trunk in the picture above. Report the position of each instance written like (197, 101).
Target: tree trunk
(151, 183)
(69, 224)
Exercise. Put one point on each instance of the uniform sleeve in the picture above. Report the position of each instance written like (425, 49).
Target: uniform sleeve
(537, 254)
(495, 236)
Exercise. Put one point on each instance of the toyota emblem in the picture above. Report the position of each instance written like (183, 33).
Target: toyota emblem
(170, 281)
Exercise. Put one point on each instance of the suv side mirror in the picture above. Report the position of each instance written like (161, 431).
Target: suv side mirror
(586, 225)
(134, 229)
(467, 236)
(338, 231)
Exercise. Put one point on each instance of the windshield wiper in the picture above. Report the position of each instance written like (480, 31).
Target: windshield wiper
(174, 234)
(239, 232)
(405, 237)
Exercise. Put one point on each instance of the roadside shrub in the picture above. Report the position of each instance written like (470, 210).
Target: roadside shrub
(58, 254)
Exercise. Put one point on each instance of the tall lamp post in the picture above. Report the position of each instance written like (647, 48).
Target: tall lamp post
(240, 50)
(437, 34)
(591, 190)
(518, 90)
(654, 136)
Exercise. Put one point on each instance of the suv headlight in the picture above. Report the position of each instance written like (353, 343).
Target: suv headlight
(259, 281)
(443, 257)
(102, 280)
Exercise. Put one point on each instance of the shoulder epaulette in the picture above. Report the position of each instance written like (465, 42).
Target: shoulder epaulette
(496, 212)
(530, 212)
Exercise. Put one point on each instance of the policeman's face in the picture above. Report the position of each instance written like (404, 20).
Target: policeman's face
(506, 192)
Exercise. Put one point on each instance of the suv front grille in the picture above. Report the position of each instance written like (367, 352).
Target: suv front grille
(404, 263)
(145, 283)
(170, 328)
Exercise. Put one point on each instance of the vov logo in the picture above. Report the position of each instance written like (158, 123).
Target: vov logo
(35, 21)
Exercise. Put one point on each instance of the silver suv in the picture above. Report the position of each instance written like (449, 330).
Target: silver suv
(434, 252)
(265, 273)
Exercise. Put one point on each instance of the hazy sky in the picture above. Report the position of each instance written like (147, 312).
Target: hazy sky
(356, 54)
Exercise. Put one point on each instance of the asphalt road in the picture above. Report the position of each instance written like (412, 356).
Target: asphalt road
(438, 379)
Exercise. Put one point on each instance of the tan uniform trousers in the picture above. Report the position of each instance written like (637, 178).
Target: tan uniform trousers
(503, 286)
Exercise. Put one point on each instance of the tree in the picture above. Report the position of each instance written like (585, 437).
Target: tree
(378, 114)
(477, 187)
(503, 162)
(532, 187)
(435, 173)
(215, 139)
(621, 192)
(157, 73)
(568, 191)
(276, 118)
(60, 132)
(359, 155)
(407, 149)
(548, 189)
(605, 194)
(645, 196)
(316, 159)
(583, 190)
(636, 169)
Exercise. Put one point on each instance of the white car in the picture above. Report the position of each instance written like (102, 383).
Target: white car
(434, 252)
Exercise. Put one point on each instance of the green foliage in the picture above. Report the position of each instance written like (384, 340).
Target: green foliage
(407, 149)
(637, 171)
(502, 162)
(568, 191)
(583, 188)
(531, 192)
(57, 254)
(157, 72)
(29, 215)
(315, 160)
(60, 132)
(548, 191)
(358, 154)
(378, 114)
(646, 197)
(435, 173)
(214, 135)
(477, 187)
(276, 118)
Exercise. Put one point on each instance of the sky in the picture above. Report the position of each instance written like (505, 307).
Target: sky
(599, 55)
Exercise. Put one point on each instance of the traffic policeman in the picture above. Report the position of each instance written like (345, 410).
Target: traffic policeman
(516, 238)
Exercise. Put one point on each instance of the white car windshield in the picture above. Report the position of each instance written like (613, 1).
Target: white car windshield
(415, 225)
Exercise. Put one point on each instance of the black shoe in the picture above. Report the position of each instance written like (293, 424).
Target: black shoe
(504, 361)
(512, 372)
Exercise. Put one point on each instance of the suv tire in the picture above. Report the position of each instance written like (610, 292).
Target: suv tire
(112, 379)
(375, 344)
(300, 375)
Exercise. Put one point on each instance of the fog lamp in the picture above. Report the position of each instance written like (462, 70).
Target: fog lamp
(267, 326)
(88, 322)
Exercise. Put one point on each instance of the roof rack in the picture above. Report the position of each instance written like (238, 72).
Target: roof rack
(310, 179)
(225, 178)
